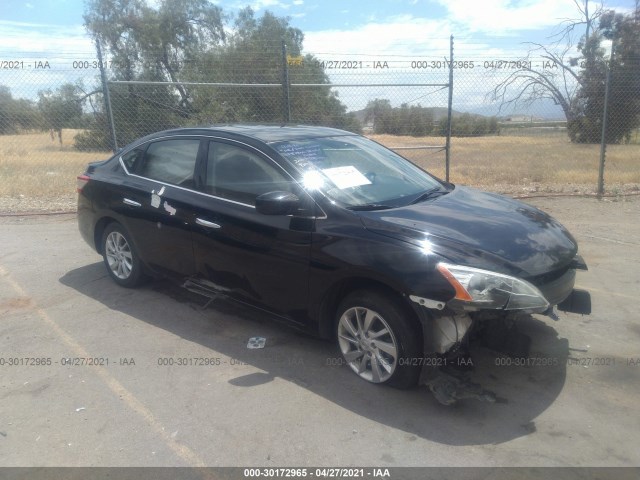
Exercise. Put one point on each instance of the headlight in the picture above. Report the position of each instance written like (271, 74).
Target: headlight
(485, 289)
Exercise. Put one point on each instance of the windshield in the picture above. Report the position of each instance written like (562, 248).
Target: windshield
(357, 173)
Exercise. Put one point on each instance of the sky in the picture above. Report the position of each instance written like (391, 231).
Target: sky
(396, 31)
(335, 26)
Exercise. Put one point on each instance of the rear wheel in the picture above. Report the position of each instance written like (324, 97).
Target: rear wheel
(377, 339)
(120, 257)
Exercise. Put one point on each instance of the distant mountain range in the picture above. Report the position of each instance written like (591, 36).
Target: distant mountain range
(438, 113)
(540, 111)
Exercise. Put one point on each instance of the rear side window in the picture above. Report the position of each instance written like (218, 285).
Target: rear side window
(240, 175)
(171, 161)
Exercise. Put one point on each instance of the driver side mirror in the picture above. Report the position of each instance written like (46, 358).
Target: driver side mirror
(277, 203)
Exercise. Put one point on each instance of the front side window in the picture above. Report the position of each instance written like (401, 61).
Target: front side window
(240, 175)
(171, 161)
(356, 172)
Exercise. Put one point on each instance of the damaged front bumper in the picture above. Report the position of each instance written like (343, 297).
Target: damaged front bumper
(447, 326)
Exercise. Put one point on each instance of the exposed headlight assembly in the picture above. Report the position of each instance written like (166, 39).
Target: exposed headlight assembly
(482, 289)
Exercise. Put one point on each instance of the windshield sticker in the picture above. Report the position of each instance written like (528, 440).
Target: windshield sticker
(303, 155)
(346, 177)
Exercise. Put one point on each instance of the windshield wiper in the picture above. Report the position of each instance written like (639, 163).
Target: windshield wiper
(432, 192)
(369, 206)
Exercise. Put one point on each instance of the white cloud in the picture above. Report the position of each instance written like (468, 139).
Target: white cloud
(466, 19)
(59, 46)
(505, 16)
(397, 41)
(484, 31)
(52, 40)
(399, 35)
(265, 4)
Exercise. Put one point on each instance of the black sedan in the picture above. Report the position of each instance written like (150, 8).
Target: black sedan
(333, 233)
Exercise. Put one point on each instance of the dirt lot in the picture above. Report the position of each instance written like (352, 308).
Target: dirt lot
(288, 404)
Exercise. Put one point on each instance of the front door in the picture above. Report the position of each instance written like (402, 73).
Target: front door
(259, 259)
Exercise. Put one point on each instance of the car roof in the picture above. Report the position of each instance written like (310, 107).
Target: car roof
(266, 133)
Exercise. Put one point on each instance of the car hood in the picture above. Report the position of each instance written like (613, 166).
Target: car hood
(480, 229)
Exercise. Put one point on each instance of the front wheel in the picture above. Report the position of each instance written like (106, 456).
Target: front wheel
(120, 257)
(377, 339)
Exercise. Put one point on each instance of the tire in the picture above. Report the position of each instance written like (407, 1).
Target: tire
(120, 257)
(365, 321)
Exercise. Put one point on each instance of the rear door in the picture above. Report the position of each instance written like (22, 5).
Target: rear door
(259, 259)
(156, 200)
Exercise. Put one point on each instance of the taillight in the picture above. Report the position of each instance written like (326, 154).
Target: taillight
(82, 180)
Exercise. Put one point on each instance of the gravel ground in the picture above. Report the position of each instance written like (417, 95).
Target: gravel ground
(24, 204)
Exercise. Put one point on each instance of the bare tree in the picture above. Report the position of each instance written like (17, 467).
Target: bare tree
(558, 80)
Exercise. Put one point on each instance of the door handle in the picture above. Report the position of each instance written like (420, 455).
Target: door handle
(207, 224)
(133, 203)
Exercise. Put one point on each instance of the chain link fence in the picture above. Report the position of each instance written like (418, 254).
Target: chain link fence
(58, 114)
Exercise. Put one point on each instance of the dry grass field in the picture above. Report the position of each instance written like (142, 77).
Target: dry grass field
(525, 164)
(38, 174)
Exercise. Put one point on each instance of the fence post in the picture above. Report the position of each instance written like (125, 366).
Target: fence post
(286, 98)
(603, 138)
(449, 110)
(107, 97)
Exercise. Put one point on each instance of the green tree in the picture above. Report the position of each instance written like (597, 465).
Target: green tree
(17, 113)
(467, 125)
(375, 112)
(577, 84)
(185, 41)
(253, 55)
(413, 120)
(419, 121)
(623, 111)
(148, 44)
(62, 108)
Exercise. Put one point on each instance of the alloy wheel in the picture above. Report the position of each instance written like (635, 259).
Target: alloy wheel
(367, 344)
(119, 256)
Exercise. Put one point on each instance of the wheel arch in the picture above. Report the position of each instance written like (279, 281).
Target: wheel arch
(341, 289)
(98, 231)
